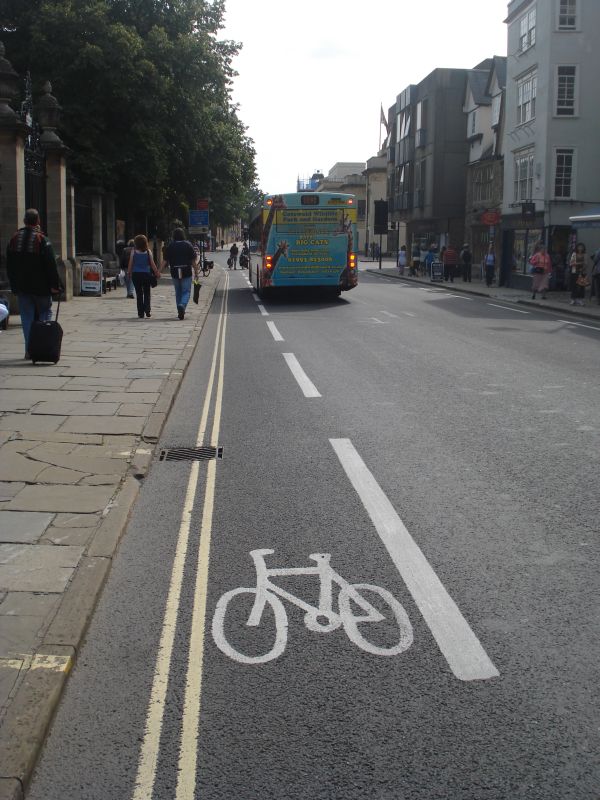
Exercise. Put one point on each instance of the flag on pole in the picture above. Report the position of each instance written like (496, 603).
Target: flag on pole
(383, 121)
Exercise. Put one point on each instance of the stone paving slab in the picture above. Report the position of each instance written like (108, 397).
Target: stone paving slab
(28, 604)
(33, 382)
(97, 384)
(20, 634)
(81, 409)
(85, 499)
(26, 423)
(135, 409)
(23, 526)
(127, 397)
(37, 568)
(102, 425)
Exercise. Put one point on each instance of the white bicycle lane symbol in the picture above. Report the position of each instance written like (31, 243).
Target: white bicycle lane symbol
(320, 618)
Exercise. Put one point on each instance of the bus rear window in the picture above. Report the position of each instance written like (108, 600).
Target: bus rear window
(309, 200)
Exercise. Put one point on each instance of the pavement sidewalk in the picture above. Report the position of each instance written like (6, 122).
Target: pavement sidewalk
(74, 440)
(556, 301)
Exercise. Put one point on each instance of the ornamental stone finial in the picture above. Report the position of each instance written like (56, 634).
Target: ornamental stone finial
(9, 83)
(47, 112)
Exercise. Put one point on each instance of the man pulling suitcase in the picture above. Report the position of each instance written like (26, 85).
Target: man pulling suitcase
(33, 275)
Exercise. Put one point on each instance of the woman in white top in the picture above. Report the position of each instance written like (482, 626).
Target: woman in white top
(402, 259)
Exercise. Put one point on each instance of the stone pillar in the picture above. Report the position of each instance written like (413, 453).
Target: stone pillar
(111, 223)
(71, 249)
(48, 112)
(96, 198)
(12, 161)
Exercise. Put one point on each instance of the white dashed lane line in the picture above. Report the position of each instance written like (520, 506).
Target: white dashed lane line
(304, 382)
(263, 311)
(579, 324)
(274, 332)
(507, 308)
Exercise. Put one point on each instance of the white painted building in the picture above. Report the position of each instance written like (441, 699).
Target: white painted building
(552, 126)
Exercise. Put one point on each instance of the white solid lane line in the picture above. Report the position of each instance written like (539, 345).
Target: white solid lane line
(461, 297)
(459, 645)
(580, 324)
(304, 382)
(263, 311)
(276, 335)
(507, 308)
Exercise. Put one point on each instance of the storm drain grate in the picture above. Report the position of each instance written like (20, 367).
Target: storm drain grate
(190, 453)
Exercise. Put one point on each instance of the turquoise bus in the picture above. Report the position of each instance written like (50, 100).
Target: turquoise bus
(305, 239)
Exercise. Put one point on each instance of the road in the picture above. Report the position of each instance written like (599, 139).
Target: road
(439, 446)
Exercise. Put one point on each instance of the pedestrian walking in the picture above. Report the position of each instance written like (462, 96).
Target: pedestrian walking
(466, 261)
(578, 279)
(140, 269)
(429, 259)
(450, 261)
(489, 263)
(124, 263)
(181, 258)
(222, 243)
(596, 275)
(233, 255)
(541, 269)
(415, 260)
(402, 259)
(32, 273)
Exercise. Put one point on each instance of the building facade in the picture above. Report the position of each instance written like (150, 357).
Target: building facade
(427, 155)
(551, 165)
(483, 107)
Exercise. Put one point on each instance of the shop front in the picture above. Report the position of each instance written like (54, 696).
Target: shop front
(521, 233)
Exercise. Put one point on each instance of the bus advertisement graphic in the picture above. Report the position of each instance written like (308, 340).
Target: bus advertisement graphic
(309, 245)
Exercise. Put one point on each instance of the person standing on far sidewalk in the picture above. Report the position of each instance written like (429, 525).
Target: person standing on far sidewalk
(181, 258)
(402, 259)
(124, 262)
(233, 254)
(489, 263)
(596, 275)
(541, 269)
(139, 270)
(466, 260)
(429, 259)
(32, 273)
(577, 274)
(450, 262)
(415, 260)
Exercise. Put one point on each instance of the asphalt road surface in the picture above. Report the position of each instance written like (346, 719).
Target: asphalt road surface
(424, 467)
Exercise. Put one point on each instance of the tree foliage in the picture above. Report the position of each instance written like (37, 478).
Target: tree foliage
(145, 91)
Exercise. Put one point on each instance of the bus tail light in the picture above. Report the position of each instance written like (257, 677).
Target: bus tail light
(352, 261)
(268, 262)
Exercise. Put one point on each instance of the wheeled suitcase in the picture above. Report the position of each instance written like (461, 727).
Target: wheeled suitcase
(45, 340)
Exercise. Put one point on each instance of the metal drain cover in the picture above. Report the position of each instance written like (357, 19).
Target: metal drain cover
(190, 453)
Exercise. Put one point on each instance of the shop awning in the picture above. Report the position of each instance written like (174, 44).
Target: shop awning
(589, 220)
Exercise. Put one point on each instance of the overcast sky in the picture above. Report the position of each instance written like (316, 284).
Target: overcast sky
(313, 73)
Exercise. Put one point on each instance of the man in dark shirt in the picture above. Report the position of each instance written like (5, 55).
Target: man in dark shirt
(466, 260)
(32, 272)
(450, 261)
(181, 258)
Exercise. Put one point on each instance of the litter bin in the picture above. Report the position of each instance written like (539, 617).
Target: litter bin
(91, 276)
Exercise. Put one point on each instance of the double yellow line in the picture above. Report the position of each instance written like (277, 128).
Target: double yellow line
(188, 753)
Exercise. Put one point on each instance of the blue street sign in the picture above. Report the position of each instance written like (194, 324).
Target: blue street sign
(199, 219)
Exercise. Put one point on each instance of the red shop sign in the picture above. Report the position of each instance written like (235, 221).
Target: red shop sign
(491, 217)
